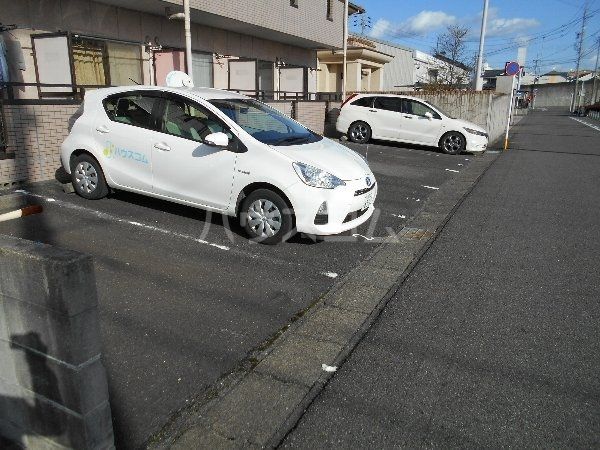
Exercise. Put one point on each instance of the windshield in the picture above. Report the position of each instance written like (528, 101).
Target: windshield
(264, 123)
(439, 109)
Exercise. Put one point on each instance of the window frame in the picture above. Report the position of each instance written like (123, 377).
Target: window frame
(372, 97)
(330, 10)
(399, 99)
(154, 114)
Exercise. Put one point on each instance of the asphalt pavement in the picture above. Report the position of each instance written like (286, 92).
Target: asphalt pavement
(493, 339)
(184, 297)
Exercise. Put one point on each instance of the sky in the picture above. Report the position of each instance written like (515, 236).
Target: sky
(547, 28)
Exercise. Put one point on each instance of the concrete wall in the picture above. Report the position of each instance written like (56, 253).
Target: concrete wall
(555, 94)
(34, 134)
(53, 389)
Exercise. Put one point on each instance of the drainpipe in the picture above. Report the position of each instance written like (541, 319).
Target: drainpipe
(345, 50)
(188, 38)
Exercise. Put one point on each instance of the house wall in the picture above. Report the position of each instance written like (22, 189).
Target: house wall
(94, 19)
(559, 94)
(400, 71)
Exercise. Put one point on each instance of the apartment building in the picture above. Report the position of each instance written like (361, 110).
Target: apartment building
(247, 45)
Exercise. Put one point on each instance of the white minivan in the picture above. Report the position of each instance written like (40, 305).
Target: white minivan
(222, 152)
(401, 118)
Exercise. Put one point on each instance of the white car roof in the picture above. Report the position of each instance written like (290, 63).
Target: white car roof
(389, 95)
(203, 93)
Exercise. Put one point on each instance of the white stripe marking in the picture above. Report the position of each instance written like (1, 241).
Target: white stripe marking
(399, 216)
(431, 187)
(586, 124)
(452, 170)
(360, 235)
(106, 216)
(330, 274)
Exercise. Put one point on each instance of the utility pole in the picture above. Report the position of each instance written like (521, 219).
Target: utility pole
(574, 102)
(188, 39)
(345, 50)
(596, 71)
(478, 79)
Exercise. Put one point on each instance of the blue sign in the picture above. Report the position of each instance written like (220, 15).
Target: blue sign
(512, 68)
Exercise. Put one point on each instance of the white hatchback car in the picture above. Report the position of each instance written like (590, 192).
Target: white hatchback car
(222, 152)
(407, 119)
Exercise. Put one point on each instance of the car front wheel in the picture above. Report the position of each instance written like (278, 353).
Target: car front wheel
(453, 143)
(359, 132)
(266, 217)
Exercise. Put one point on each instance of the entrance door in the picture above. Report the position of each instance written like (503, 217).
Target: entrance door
(166, 61)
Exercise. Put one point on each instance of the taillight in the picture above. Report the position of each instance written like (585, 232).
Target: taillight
(347, 100)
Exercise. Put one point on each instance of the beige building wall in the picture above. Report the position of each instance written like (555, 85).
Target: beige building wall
(94, 19)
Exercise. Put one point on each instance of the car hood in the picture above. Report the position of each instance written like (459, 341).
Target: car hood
(328, 155)
(466, 124)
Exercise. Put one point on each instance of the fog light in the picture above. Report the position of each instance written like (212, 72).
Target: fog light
(322, 217)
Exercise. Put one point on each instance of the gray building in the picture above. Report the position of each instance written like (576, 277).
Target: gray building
(248, 45)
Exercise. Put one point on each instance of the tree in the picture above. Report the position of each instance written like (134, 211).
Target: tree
(452, 59)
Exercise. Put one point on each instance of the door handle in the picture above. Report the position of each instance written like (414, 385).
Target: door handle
(372, 110)
(102, 129)
(162, 146)
(408, 117)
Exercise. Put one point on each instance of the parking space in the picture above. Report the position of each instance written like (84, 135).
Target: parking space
(184, 296)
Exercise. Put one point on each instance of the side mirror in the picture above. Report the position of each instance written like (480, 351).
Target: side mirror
(219, 139)
(429, 115)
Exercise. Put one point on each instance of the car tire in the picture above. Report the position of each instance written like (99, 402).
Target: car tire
(359, 132)
(266, 217)
(453, 143)
(87, 177)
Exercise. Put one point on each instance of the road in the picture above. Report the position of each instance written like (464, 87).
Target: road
(492, 341)
(184, 297)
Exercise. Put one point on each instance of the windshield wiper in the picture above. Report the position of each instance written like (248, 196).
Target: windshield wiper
(291, 140)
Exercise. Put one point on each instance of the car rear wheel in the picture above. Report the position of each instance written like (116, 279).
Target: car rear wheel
(453, 143)
(359, 132)
(266, 217)
(87, 178)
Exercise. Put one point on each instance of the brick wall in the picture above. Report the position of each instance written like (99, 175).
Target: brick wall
(311, 114)
(33, 136)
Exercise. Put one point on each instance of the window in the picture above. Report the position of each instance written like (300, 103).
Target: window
(190, 121)
(202, 64)
(363, 101)
(329, 9)
(264, 123)
(106, 63)
(133, 109)
(417, 109)
(388, 103)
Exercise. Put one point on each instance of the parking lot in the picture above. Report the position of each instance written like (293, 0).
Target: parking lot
(184, 296)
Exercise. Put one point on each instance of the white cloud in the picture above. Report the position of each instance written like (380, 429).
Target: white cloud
(420, 25)
(510, 27)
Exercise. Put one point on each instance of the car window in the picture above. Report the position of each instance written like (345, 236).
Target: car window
(133, 109)
(264, 123)
(190, 121)
(363, 101)
(388, 103)
(417, 109)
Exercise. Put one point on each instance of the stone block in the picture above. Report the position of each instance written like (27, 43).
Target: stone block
(332, 324)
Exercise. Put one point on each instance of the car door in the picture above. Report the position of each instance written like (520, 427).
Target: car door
(419, 128)
(385, 117)
(126, 132)
(183, 166)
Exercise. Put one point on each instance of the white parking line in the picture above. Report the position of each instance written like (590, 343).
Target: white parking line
(452, 170)
(110, 217)
(597, 128)
(431, 187)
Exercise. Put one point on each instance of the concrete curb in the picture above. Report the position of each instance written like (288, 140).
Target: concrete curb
(262, 402)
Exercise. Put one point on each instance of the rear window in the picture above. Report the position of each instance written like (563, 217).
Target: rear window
(363, 101)
(133, 109)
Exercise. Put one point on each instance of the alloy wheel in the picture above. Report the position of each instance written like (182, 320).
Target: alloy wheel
(359, 132)
(452, 143)
(264, 218)
(86, 177)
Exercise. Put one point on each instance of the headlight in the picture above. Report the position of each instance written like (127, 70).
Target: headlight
(316, 177)
(477, 132)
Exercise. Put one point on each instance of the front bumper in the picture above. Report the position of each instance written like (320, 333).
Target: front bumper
(345, 210)
(476, 144)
